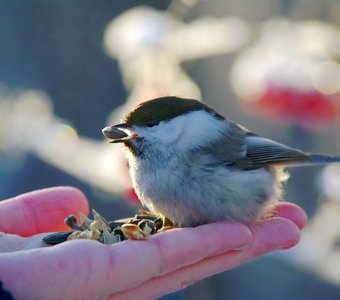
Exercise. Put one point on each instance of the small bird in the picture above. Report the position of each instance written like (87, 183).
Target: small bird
(193, 166)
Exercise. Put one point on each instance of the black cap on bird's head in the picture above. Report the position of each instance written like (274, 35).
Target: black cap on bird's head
(162, 109)
(151, 113)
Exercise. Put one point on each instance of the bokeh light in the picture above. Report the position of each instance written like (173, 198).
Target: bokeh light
(290, 72)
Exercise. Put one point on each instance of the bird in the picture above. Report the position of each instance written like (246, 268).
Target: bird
(193, 166)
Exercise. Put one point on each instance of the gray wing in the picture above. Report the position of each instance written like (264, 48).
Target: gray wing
(262, 152)
(248, 151)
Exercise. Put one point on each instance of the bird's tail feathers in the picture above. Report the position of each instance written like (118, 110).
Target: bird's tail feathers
(323, 159)
(317, 159)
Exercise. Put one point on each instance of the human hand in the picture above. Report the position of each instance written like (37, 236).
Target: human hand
(144, 269)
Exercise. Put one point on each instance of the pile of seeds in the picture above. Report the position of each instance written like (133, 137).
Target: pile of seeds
(141, 226)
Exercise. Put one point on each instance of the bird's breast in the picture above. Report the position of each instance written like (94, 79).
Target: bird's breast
(192, 193)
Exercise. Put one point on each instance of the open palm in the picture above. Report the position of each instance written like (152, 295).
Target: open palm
(144, 269)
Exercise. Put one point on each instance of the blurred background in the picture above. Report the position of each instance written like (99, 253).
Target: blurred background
(69, 68)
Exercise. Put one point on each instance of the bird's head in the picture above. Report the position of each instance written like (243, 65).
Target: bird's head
(164, 122)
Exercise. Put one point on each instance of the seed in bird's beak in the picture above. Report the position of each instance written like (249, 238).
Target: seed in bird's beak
(113, 133)
(119, 133)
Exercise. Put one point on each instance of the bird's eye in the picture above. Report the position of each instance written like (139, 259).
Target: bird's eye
(152, 122)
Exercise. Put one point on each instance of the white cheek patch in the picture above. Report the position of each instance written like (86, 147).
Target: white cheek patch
(185, 132)
(199, 128)
(165, 132)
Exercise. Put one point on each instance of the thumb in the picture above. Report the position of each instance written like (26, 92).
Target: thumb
(41, 211)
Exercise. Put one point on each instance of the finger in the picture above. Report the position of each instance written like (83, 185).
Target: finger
(270, 235)
(290, 211)
(101, 270)
(41, 211)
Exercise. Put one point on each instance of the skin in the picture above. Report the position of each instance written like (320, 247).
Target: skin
(85, 269)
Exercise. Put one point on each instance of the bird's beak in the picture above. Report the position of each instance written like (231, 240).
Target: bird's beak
(119, 133)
